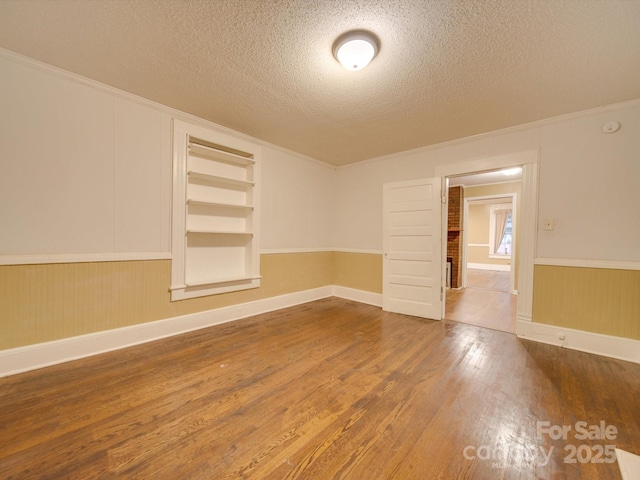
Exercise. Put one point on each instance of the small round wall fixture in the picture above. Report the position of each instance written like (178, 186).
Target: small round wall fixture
(355, 49)
(611, 127)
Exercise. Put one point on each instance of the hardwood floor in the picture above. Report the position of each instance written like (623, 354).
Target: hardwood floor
(489, 280)
(486, 302)
(329, 389)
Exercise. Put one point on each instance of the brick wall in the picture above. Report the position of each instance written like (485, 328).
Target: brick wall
(454, 236)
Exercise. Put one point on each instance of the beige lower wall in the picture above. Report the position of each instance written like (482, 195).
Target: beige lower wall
(597, 300)
(362, 271)
(40, 303)
(481, 255)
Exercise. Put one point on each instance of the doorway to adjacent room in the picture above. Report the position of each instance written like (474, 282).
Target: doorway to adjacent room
(482, 249)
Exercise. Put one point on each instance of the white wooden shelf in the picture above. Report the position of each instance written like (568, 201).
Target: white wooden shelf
(216, 205)
(219, 155)
(216, 281)
(193, 201)
(223, 280)
(220, 180)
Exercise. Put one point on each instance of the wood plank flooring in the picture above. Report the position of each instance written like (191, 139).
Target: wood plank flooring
(329, 389)
(486, 302)
(489, 279)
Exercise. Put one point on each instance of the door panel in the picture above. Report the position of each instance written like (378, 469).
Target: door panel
(412, 265)
(413, 268)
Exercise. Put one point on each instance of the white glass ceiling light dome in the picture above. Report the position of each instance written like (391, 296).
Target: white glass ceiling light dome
(355, 49)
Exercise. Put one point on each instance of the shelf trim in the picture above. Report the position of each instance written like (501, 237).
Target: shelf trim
(233, 158)
(193, 201)
(216, 282)
(221, 180)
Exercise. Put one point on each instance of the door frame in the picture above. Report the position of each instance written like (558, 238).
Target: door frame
(528, 160)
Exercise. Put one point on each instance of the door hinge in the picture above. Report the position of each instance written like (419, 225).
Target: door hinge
(441, 293)
(444, 198)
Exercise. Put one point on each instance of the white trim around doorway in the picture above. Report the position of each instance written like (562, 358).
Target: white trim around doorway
(528, 160)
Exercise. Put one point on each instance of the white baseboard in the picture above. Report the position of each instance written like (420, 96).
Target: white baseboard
(607, 345)
(361, 296)
(31, 357)
(490, 266)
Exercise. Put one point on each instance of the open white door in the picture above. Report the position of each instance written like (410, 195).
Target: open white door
(412, 242)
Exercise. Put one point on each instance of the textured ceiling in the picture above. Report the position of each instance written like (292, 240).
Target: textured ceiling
(447, 69)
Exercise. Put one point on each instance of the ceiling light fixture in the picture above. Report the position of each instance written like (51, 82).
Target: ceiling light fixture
(355, 49)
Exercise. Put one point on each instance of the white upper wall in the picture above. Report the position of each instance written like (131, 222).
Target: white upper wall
(589, 183)
(82, 170)
(86, 170)
(297, 202)
(358, 222)
(590, 186)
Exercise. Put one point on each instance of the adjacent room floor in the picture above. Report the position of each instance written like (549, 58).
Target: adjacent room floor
(328, 389)
(486, 302)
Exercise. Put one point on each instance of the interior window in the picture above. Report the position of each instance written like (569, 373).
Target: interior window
(504, 248)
